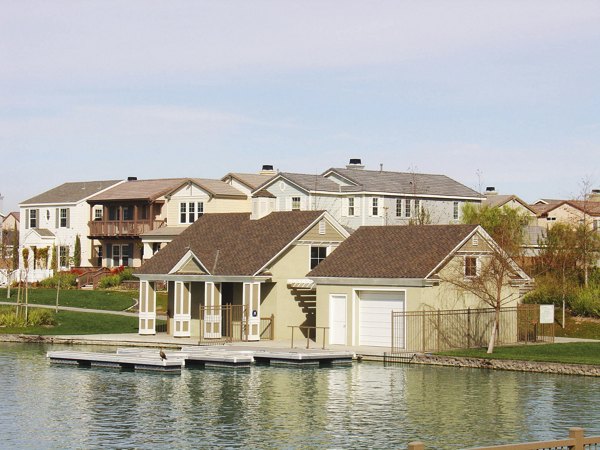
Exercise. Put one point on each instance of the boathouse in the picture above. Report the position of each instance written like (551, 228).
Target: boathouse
(227, 271)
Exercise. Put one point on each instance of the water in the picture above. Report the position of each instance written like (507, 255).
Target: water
(363, 406)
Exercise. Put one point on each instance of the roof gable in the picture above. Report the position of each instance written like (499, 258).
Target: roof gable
(144, 190)
(213, 188)
(232, 244)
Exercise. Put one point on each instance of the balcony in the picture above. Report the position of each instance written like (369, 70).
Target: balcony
(122, 228)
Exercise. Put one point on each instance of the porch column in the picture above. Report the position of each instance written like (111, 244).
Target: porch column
(147, 314)
(251, 302)
(212, 310)
(182, 315)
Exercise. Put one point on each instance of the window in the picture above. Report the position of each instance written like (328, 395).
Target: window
(114, 213)
(455, 211)
(33, 219)
(295, 203)
(63, 253)
(97, 214)
(374, 206)
(351, 208)
(317, 254)
(407, 208)
(398, 207)
(417, 207)
(127, 212)
(64, 218)
(470, 266)
(190, 211)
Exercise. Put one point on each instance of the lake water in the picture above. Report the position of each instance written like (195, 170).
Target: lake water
(363, 406)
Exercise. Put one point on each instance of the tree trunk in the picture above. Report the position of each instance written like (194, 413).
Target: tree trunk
(494, 334)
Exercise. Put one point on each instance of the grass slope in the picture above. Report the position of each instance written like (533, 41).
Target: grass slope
(572, 353)
(97, 299)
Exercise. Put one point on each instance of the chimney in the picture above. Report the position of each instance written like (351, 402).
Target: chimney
(131, 178)
(594, 195)
(267, 169)
(490, 190)
(355, 163)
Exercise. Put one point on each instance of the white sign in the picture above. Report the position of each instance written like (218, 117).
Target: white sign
(546, 313)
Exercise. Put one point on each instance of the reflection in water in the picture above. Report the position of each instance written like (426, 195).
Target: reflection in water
(363, 406)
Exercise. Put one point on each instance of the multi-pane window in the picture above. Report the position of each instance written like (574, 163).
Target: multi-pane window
(470, 266)
(97, 214)
(351, 208)
(407, 208)
(190, 211)
(64, 221)
(417, 207)
(398, 207)
(127, 212)
(33, 218)
(455, 211)
(63, 253)
(374, 206)
(317, 254)
(295, 203)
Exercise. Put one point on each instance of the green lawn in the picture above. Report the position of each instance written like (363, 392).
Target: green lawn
(573, 353)
(96, 299)
(69, 322)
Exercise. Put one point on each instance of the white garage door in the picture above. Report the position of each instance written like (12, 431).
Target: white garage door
(375, 320)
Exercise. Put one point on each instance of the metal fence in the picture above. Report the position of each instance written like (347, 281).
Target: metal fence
(439, 330)
(229, 323)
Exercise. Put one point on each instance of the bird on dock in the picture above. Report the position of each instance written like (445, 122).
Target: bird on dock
(162, 355)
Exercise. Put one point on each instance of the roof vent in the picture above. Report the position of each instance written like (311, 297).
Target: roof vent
(490, 190)
(131, 178)
(355, 163)
(267, 169)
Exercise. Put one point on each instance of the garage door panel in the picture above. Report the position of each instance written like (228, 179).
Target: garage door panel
(375, 312)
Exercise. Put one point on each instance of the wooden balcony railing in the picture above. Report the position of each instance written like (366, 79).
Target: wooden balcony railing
(122, 228)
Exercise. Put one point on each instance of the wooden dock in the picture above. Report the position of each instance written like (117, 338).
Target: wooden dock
(209, 357)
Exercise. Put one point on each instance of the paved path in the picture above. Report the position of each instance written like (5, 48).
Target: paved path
(83, 310)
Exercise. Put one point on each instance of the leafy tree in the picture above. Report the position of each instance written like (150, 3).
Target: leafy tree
(77, 252)
(496, 271)
(54, 259)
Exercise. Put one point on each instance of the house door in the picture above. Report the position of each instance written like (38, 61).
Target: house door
(337, 319)
(212, 310)
(147, 313)
(251, 302)
(181, 315)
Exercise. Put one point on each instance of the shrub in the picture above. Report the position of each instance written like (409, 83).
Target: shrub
(127, 274)
(586, 302)
(109, 281)
(67, 281)
(550, 290)
(40, 316)
(10, 319)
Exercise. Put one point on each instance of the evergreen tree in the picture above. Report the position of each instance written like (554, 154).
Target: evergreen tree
(77, 252)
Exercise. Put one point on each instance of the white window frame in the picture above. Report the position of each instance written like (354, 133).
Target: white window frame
(455, 210)
(296, 203)
(63, 221)
(375, 207)
(190, 212)
(477, 265)
(98, 214)
(351, 207)
(407, 208)
(398, 207)
(33, 218)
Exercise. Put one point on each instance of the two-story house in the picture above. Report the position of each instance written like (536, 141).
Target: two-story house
(357, 197)
(132, 221)
(54, 219)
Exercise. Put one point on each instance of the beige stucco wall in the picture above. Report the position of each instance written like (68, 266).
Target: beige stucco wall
(562, 214)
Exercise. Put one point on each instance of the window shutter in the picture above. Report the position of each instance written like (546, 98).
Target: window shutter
(109, 251)
(37, 218)
(345, 207)
(304, 203)
(68, 217)
(130, 261)
(288, 203)
(357, 203)
(26, 219)
(57, 218)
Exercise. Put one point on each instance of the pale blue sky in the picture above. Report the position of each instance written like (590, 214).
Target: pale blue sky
(101, 90)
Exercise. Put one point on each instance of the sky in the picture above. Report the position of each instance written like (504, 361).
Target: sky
(495, 93)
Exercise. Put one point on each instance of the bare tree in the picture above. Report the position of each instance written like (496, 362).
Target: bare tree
(490, 276)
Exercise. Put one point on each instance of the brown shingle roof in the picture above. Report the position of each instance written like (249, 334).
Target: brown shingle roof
(392, 251)
(70, 192)
(252, 180)
(244, 246)
(139, 190)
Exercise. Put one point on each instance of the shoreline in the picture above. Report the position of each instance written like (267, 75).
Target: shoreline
(417, 359)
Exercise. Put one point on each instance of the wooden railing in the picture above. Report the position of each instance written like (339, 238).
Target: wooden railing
(118, 228)
(575, 441)
(92, 276)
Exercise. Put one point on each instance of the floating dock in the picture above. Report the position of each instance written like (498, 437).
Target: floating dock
(210, 357)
